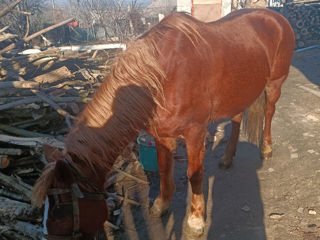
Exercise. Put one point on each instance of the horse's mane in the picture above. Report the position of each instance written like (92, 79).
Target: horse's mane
(39, 191)
(124, 104)
(190, 27)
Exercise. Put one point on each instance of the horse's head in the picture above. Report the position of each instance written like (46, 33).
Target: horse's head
(77, 208)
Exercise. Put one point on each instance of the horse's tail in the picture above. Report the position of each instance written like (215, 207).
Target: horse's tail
(253, 120)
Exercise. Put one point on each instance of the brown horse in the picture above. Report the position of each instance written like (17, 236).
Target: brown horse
(171, 82)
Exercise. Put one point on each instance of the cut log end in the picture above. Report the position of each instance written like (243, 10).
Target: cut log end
(4, 161)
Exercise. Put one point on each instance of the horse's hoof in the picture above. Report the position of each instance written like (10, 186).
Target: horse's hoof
(224, 166)
(156, 212)
(195, 227)
(266, 156)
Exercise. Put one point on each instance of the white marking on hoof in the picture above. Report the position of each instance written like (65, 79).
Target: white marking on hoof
(159, 208)
(196, 224)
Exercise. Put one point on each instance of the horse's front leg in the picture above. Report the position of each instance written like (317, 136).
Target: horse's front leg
(165, 148)
(195, 142)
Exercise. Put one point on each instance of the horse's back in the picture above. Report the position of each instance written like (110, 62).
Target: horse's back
(264, 28)
(224, 67)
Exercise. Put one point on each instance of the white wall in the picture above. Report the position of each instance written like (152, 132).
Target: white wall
(184, 6)
(225, 7)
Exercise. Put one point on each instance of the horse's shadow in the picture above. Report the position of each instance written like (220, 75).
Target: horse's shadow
(237, 209)
(234, 208)
(307, 62)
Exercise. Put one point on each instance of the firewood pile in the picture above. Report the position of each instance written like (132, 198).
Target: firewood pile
(305, 20)
(41, 93)
(40, 96)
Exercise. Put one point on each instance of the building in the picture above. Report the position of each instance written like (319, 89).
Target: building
(210, 10)
(204, 10)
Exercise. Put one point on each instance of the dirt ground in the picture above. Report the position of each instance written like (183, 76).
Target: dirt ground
(275, 200)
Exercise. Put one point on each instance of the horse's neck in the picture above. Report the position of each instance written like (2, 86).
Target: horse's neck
(108, 124)
(103, 153)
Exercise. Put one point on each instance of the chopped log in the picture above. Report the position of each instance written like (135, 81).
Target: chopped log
(23, 60)
(50, 77)
(9, 234)
(23, 112)
(14, 184)
(32, 142)
(53, 76)
(14, 196)
(4, 162)
(11, 151)
(24, 171)
(17, 101)
(18, 84)
(28, 229)
(12, 91)
(53, 105)
(40, 121)
(85, 73)
(41, 61)
(29, 160)
(31, 122)
(22, 183)
(67, 84)
(19, 123)
(22, 132)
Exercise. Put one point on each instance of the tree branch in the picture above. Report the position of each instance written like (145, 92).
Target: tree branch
(26, 39)
(9, 8)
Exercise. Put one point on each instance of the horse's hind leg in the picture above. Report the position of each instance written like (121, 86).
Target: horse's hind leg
(226, 160)
(195, 142)
(273, 92)
(165, 148)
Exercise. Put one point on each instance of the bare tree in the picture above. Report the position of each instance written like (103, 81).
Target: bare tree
(24, 18)
(115, 17)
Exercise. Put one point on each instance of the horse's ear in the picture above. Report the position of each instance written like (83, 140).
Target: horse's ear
(63, 173)
(51, 154)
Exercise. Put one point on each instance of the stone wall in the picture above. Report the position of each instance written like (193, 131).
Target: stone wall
(305, 20)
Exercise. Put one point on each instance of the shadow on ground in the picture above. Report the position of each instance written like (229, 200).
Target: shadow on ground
(234, 209)
(301, 58)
